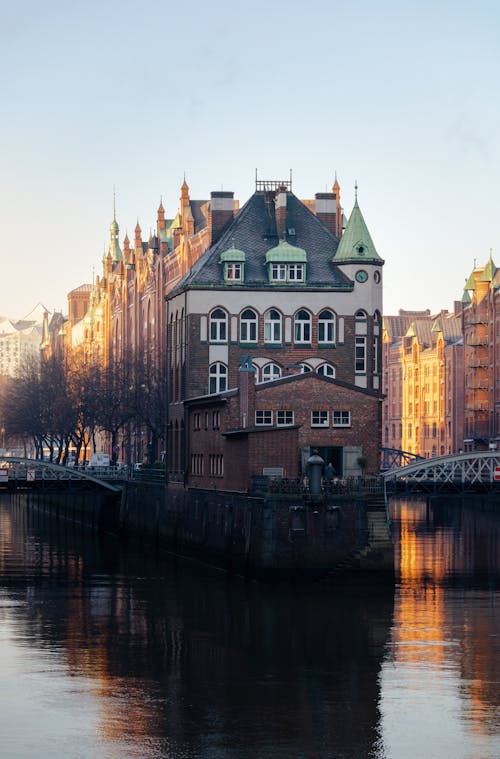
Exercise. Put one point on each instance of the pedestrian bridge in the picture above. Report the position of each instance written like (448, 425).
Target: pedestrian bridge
(33, 474)
(476, 472)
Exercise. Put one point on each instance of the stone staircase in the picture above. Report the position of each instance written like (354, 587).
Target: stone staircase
(378, 552)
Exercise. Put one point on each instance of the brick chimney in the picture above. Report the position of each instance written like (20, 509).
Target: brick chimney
(246, 382)
(326, 210)
(280, 212)
(221, 213)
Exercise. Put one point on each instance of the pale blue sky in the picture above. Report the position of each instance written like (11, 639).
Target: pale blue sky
(401, 96)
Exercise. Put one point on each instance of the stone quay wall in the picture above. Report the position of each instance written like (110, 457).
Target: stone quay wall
(250, 535)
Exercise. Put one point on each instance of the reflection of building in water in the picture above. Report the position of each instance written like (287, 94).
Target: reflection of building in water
(181, 659)
(419, 611)
(438, 543)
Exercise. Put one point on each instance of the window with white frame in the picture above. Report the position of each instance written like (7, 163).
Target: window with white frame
(284, 418)
(278, 272)
(326, 327)
(248, 326)
(271, 372)
(302, 327)
(360, 355)
(326, 370)
(215, 420)
(218, 326)
(217, 382)
(290, 272)
(263, 416)
(319, 418)
(304, 368)
(295, 272)
(341, 418)
(234, 272)
(272, 326)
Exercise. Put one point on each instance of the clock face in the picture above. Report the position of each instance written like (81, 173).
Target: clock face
(361, 275)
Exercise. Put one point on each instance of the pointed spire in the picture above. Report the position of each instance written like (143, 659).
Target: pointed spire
(114, 250)
(161, 215)
(137, 236)
(466, 299)
(470, 282)
(489, 270)
(126, 249)
(356, 244)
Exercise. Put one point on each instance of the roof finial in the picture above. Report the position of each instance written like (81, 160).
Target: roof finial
(355, 190)
(114, 202)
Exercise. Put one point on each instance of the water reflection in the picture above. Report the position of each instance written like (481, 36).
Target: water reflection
(132, 655)
(441, 679)
(110, 651)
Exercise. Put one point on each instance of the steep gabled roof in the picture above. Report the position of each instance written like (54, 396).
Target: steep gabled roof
(422, 330)
(254, 231)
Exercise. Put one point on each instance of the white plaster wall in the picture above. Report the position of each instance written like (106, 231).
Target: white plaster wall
(365, 296)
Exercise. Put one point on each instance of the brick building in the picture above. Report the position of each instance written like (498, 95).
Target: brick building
(393, 332)
(280, 283)
(481, 330)
(424, 382)
(272, 428)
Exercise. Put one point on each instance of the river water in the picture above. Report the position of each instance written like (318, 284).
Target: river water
(111, 651)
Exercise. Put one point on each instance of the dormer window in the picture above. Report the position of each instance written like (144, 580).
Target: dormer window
(234, 272)
(286, 264)
(233, 261)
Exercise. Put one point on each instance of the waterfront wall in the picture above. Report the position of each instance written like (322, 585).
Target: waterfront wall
(97, 509)
(268, 534)
(254, 534)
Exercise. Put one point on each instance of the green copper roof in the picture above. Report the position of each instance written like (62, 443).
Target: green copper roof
(466, 299)
(356, 243)
(489, 271)
(114, 246)
(232, 254)
(470, 284)
(285, 252)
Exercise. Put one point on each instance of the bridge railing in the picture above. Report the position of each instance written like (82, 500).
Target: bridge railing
(481, 468)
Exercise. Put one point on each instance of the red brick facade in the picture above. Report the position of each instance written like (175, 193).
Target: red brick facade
(219, 427)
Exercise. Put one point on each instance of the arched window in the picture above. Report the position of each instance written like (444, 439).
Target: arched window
(326, 370)
(302, 327)
(271, 372)
(304, 368)
(248, 326)
(360, 316)
(217, 380)
(326, 327)
(218, 326)
(272, 326)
